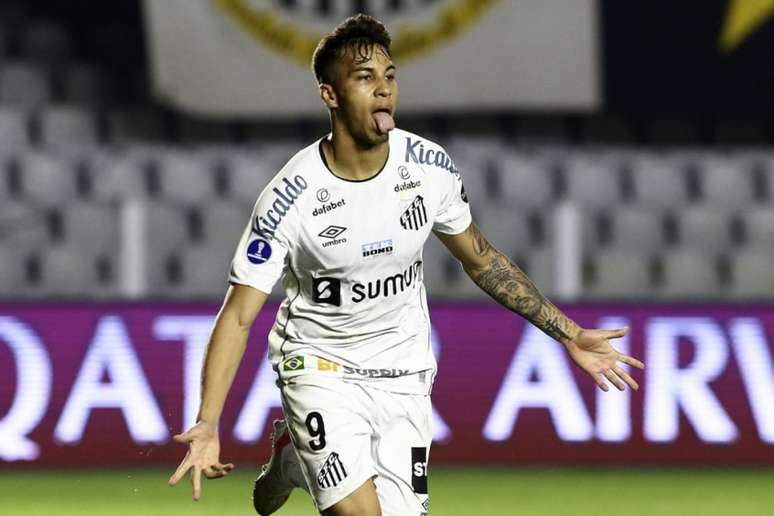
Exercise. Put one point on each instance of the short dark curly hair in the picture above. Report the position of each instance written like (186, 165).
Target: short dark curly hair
(359, 33)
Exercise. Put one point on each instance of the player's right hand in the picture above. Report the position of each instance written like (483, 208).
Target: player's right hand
(203, 456)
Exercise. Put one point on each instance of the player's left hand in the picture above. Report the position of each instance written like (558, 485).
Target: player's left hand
(594, 354)
(203, 456)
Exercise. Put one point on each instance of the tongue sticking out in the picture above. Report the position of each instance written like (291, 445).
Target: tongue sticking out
(384, 122)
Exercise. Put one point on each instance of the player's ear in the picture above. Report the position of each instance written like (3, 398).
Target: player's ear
(328, 95)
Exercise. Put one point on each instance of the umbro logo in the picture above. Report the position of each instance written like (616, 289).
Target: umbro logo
(332, 232)
(332, 472)
(415, 215)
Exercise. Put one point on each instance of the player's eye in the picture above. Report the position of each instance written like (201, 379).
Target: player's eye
(391, 77)
(364, 77)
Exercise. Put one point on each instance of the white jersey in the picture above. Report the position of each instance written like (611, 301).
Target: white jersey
(350, 257)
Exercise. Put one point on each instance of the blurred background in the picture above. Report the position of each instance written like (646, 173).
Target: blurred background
(621, 153)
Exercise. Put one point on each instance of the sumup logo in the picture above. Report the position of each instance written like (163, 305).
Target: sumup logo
(265, 225)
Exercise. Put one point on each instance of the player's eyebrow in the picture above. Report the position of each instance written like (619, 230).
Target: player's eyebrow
(390, 68)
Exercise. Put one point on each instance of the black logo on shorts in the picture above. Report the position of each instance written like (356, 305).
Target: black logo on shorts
(326, 291)
(419, 470)
(332, 472)
(415, 215)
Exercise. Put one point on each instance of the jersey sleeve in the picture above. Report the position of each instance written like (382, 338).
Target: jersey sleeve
(259, 259)
(453, 214)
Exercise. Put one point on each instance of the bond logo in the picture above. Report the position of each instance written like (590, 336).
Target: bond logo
(326, 291)
(332, 472)
(292, 28)
(259, 251)
(415, 215)
(378, 248)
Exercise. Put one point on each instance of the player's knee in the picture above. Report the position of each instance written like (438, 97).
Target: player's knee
(362, 502)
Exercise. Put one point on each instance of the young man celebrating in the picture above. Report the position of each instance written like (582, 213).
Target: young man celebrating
(343, 225)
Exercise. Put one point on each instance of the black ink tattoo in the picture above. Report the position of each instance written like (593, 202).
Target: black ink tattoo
(507, 284)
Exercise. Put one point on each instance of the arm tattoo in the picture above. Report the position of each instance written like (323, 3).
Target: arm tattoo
(507, 284)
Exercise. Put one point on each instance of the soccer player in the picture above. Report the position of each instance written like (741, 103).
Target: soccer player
(343, 224)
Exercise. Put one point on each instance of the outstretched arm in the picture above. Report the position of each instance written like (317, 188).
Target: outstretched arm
(224, 353)
(507, 284)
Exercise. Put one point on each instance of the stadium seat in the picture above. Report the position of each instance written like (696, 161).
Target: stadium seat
(92, 227)
(47, 178)
(689, 275)
(437, 269)
(620, 274)
(594, 183)
(12, 271)
(247, 175)
(659, 181)
(703, 229)
(23, 226)
(636, 229)
(477, 177)
(767, 170)
(752, 274)
(119, 176)
(505, 226)
(167, 234)
(67, 272)
(185, 177)
(65, 127)
(136, 125)
(24, 85)
(725, 181)
(14, 135)
(223, 223)
(759, 227)
(205, 271)
(527, 182)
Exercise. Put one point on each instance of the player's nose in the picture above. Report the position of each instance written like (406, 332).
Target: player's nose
(383, 89)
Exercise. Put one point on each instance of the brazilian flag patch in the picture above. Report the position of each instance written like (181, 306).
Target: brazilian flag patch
(293, 364)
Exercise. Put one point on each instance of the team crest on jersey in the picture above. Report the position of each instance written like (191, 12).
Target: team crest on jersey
(332, 472)
(415, 215)
(293, 29)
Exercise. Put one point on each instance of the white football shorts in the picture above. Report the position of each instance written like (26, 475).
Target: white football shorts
(348, 432)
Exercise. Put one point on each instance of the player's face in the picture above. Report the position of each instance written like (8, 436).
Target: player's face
(366, 93)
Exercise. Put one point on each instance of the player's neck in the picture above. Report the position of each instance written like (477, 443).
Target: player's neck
(348, 160)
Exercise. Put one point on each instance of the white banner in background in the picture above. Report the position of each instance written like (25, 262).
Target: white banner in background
(251, 57)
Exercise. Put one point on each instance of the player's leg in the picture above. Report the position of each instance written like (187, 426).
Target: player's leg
(278, 477)
(332, 433)
(402, 452)
(362, 502)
